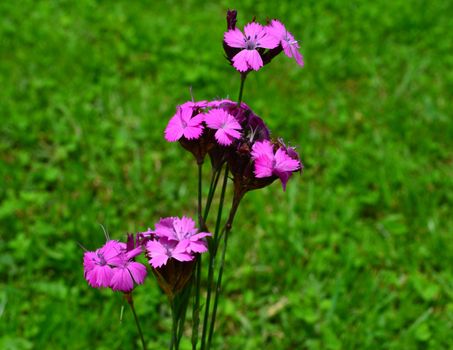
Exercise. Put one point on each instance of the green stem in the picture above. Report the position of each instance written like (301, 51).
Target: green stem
(226, 230)
(241, 89)
(182, 311)
(212, 255)
(212, 188)
(174, 328)
(130, 301)
(200, 216)
(196, 305)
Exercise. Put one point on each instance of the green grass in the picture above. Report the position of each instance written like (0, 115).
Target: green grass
(357, 254)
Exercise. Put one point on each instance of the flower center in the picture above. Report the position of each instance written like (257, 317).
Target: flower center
(101, 261)
(251, 43)
(290, 41)
(183, 123)
(274, 163)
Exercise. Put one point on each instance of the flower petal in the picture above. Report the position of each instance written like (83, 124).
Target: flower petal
(234, 38)
(253, 59)
(240, 61)
(122, 280)
(138, 271)
(253, 30)
(263, 167)
(223, 138)
(158, 260)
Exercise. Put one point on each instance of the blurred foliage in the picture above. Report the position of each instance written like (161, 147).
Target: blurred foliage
(356, 254)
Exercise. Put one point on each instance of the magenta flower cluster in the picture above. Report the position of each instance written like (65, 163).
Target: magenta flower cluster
(231, 132)
(113, 266)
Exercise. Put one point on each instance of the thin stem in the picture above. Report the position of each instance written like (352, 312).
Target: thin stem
(219, 213)
(226, 231)
(212, 255)
(130, 301)
(217, 292)
(212, 188)
(196, 305)
(241, 89)
(174, 328)
(182, 311)
(200, 217)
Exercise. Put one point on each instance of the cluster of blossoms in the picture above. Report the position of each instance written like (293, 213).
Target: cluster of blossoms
(231, 132)
(235, 134)
(113, 264)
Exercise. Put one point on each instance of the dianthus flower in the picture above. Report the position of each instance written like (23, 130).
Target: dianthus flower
(184, 123)
(253, 127)
(286, 39)
(97, 265)
(268, 163)
(163, 249)
(255, 37)
(113, 266)
(226, 125)
(176, 238)
(182, 229)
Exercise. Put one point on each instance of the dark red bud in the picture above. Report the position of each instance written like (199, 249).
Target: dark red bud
(231, 19)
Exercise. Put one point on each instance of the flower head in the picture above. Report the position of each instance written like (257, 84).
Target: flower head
(269, 163)
(98, 265)
(161, 250)
(180, 230)
(184, 123)
(286, 39)
(176, 238)
(255, 37)
(112, 266)
(226, 125)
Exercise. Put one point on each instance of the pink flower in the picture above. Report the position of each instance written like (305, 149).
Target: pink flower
(176, 238)
(180, 230)
(184, 124)
(268, 163)
(113, 266)
(255, 37)
(289, 44)
(163, 249)
(226, 125)
(97, 265)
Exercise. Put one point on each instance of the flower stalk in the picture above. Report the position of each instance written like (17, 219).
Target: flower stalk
(130, 301)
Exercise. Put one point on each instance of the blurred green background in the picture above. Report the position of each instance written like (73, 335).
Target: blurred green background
(357, 254)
